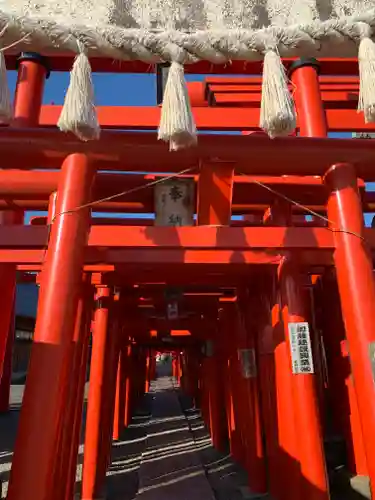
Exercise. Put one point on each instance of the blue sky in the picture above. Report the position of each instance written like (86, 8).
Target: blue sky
(110, 89)
(116, 90)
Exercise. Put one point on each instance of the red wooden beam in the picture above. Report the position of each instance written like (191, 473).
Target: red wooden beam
(198, 260)
(128, 275)
(153, 290)
(253, 154)
(183, 238)
(37, 185)
(139, 207)
(254, 86)
(16, 187)
(331, 87)
(332, 100)
(116, 221)
(331, 80)
(144, 324)
(216, 275)
(9, 203)
(120, 273)
(198, 246)
(148, 117)
(101, 221)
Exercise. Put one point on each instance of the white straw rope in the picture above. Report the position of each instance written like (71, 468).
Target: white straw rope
(329, 38)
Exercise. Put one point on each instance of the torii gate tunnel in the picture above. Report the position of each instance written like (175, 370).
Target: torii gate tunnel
(271, 317)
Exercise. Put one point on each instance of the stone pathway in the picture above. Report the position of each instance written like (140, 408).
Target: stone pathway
(227, 479)
(165, 453)
(123, 473)
(171, 468)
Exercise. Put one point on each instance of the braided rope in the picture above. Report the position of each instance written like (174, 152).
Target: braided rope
(317, 38)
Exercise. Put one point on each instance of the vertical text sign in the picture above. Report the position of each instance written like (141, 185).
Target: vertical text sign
(300, 348)
(174, 202)
(172, 310)
(248, 362)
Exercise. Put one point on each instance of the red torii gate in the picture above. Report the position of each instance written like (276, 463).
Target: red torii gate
(214, 253)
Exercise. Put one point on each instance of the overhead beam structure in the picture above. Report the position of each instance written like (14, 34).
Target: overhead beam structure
(255, 310)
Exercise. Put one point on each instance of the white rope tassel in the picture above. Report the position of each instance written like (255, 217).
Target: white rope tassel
(277, 112)
(366, 60)
(177, 122)
(6, 111)
(79, 114)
